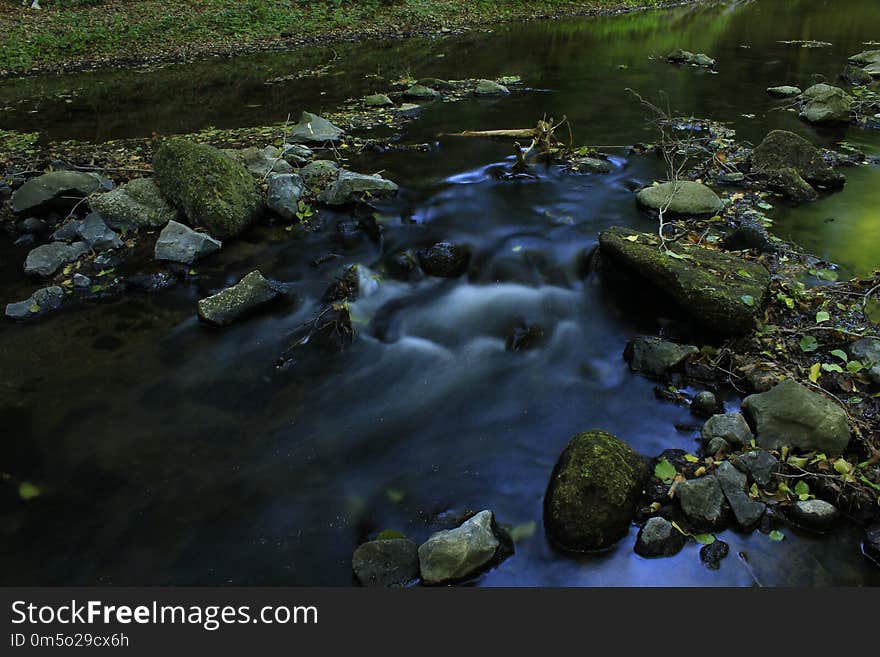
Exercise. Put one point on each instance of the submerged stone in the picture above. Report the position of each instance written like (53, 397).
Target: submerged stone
(781, 149)
(680, 56)
(391, 562)
(444, 259)
(681, 198)
(235, 302)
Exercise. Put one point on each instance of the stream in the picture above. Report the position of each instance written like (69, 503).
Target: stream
(169, 453)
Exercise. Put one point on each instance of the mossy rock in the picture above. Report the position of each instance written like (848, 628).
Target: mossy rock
(211, 189)
(823, 103)
(593, 492)
(684, 198)
(718, 290)
(782, 149)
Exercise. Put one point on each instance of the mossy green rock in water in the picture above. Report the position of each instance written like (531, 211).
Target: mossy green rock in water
(782, 150)
(681, 198)
(235, 302)
(593, 492)
(719, 290)
(211, 189)
(823, 103)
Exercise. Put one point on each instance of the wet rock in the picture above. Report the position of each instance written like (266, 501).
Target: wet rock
(319, 173)
(136, 204)
(283, 194)
(791, 415)
(733, 484)
(386, 563)
(730, 178)
(712, 555)
(444, 259)
(457, 554)
(68, 232)
(817, 514)
(717, 446)
(81, 281)
(313, 129)
(179, 243)
(260, 162)
(866, 58)
(748, 237)
(25, 240)
(761, 466)
(705, 283)
(732, 427)
(655, 356)
(705, 404)
(658, 538)
(378, 100)
(421, 92)
(871, 543)
(680, 56)
(43, 300)
(45, 260)
(788, 183)
(593, 492)
(46, 191)
(702, 501)
(856, 76)
(759, 379)
(402, 265)
(34, 226)
(781, 149)
(823, 103)
(490, 88)
(524, 337)
(351, 187)
(212, 190)
(233, 303)
(867, 351)
(784, 91)
(687, 198)
(296, 154)
(591, 165)
(94, 232)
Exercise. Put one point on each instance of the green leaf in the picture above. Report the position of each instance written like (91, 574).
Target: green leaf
(748, 299)
(664, 471)
(34, 308)
(704, 539)
(841, 354)
(827, 275)
(808, 343)
(822, 316)
(854, 367)
(776, 535)
(28, 491)
(832, 367)
(801, 489)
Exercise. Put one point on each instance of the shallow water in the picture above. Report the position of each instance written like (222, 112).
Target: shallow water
(169, 453)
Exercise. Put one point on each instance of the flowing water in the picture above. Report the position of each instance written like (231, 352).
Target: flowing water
(168, 453)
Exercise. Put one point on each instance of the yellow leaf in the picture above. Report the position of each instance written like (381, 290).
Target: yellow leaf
(815, 372)
(632, 238)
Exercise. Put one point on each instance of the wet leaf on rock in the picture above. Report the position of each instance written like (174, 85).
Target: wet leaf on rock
(776, 535)
(664, 471)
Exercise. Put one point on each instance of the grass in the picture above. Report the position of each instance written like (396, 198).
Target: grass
(70, 33)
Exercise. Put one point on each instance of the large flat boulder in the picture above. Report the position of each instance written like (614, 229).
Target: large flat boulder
(48, 190)
(682, 197)
(313, 129)
(718, 290)
(179, 243)
(211, 189)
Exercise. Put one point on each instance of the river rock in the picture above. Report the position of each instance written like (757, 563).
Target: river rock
(784, 91)
(233, 303)
(351, 187)
(386, 563)
(211, 189)
(791, 415)
(706, 284)
(711, 555)
(817, 514)
(81, 281)
(283, 194)
(261, 161)
(179, 243)
(655, 356)
(490, 88)
(136, 204)
(866, 58)
(706, 404)
(421, 92)
(717, 446)
(67, 232)
(872, 541)
(702, 501)
(444, 259)
(732, 427)
(658, 538)
(313, 129)
(856, 76)
(453, 555)
(823, 103)
(41, 301)
(297, 154)
(733, 484)
(867, 352)
(378, 100)
(45, 260)
(760, 465)
(34, 226)
(788, 183)
(593, 492)
(46, 191)
(98, 235)
(688, 198)
(591, 165)
(319, 173)
(781, 149)
(680, 56)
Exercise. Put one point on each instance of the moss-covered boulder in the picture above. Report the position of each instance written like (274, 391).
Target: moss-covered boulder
(782, 150)
(683, 197)
(208, 187)
(824, 103)
(593, 492)
(717, 289)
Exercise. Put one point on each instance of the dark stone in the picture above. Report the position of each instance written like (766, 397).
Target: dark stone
(788, 183)
(41, 301)
(817, 514)
(444, 259)
(655, 356)
(402, 265)
(872, 541)
(712, 554)
(706, 404)
(733, 483)
(782, 149)
(240, 300)
(702, 501)
(524, 337)
(386, 563)
(760, 465)
(748, 237)
(658, 538)
(34, 226)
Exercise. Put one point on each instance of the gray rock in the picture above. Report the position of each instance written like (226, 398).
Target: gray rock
(378, 100)
(179, 243)
(872, 541)
(421, 92)
(711, 555)
(702, 501)
(444, 259)
(284, 192)
(351, 187)
(682, 198)
(47, 190)
(297, 154)
(866, 58)
(705, 404)
(680, 56)
(490, 88)
(791, 415)
(41, 301)
(386, 563)
(784, 91)
(34, 226)
(136, 204)
(81, 281)
(457, 554)
(319, 172)
(716, 446)
(313, 129)
(733, 483)
(758, 464)
(867, 352)
(47, 259)
(655, 356)
(788, 183)
(658, 538)
(814, 513)
(235, 302)
(94, 232)
(732, 427)
(781, 149)
(856, 76)
(591, 165)
(260, 162)
(823, 103)
(68, 232)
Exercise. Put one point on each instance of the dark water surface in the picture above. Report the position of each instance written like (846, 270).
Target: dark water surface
(168, 453)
